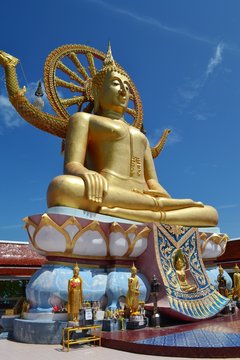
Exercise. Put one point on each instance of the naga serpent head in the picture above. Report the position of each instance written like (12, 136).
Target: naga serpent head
(7, 59)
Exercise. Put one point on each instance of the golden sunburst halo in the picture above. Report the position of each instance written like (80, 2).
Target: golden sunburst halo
(68, 74)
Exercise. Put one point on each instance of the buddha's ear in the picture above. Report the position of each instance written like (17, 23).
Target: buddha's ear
(95, 93)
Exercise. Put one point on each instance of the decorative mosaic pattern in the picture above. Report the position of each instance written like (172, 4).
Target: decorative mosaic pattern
(187, 240)
(195, 338)
(199, 303)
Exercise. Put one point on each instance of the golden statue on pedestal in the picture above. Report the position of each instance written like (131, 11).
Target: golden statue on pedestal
(180, 265)
(75, 297)
(132, 298)
(236, 282)
(222, 283)
(108, 164)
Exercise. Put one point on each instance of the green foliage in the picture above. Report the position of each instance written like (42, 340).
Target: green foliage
(12, 288)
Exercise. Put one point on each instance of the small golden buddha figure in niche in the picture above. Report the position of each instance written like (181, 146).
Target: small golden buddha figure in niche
(132, 298)
(108, 164)
(180, 265)
(236, 282)
(75, 297)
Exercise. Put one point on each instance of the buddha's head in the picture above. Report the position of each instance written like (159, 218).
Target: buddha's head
(76, 270)
(179, 261)
(236, 268)
(110, 88)
(220, 269)
(133, 270)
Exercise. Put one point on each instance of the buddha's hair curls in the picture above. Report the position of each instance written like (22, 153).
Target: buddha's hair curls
(98, 79)
(108, 66)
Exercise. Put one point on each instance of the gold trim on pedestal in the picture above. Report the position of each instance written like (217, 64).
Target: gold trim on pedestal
(132, 234)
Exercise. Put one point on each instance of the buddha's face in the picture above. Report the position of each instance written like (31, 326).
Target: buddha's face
(75, 272)
(180, 264)
(114, 93)
(134, 271)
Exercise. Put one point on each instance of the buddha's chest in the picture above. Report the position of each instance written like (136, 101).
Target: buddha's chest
(115, 133)
(118, 147)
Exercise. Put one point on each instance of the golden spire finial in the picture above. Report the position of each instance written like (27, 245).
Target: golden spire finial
(76, 267)
(108, 65)
(109, 61)
(133, 267)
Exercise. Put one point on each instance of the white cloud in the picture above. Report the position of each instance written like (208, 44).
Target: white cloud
(228, 206)
(191, 89)
(215, 60)
(153, 22)
(200, 117)
(188, 92)
(31, 88)
(200, 113)
(8, 115)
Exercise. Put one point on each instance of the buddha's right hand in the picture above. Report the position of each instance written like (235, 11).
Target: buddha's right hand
(96, 186)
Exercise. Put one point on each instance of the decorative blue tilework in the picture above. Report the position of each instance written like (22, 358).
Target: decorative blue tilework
(195, 338)
(203, 303)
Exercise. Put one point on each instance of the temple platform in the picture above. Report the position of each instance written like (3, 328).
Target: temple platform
(215, 338)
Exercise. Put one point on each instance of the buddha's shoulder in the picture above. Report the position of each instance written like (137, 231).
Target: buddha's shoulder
(80, 117)
(83, 117)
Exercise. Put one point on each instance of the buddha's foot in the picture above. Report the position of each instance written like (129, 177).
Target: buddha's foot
(175, 204)
(7, 59)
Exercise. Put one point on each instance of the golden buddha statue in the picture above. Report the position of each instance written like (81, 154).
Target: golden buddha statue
(236, 282)
(132, 298)
(75, 297)
(222, 283)
(108, 165)
(180, 265)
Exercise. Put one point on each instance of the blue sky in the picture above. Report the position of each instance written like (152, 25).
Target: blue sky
(184, 58)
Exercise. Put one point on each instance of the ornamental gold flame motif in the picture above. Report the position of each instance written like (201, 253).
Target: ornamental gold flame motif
(108, 163)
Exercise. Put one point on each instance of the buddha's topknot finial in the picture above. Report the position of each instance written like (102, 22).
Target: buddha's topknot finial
(236, 268)
(109, 61)
(220, 268)
(76, 267)
(108, 66)
(133, 268)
